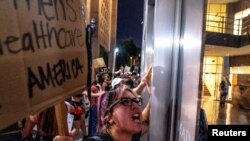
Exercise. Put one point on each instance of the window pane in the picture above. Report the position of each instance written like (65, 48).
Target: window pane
(226, 53)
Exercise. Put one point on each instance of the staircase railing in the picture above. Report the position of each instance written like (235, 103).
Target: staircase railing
(229, 25)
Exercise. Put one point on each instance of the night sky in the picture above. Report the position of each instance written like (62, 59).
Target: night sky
(129, 20)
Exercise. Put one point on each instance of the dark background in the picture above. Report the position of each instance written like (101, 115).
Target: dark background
(129, 20)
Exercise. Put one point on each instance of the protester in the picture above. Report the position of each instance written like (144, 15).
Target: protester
(95, 93)
(120, 114)
(122, 117)
(76, 109)
(119, 82)
(46, 126)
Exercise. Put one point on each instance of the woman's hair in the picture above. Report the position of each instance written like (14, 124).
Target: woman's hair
(104, 105)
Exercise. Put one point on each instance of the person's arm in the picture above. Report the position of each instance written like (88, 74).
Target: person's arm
(70, 107)
(145, 118)
(104, 84)
(140, 87)
(101, 88)
(96, 94)
(146, 110)
(93, 94)
(145, 80)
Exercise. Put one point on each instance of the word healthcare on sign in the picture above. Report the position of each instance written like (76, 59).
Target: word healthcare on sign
(43, 57)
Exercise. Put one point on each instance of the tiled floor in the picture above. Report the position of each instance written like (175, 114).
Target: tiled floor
(227, 115)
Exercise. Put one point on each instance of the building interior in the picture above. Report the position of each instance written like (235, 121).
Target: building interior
(226, 52)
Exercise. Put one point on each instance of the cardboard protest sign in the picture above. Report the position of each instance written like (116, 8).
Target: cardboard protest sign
(98, 63)
(43, 57)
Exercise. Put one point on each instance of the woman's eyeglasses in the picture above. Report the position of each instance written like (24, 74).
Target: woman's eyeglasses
(127, 102)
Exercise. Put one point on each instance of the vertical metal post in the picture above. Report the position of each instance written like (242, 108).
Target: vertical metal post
(238, 27)
(115, 53)
(177, 39)
(222, 28)
(89, 50)
(248, 24)
(89, 30)
(113, 69)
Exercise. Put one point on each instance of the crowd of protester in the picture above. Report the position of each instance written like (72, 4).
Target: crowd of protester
(119, 114)
(108, 90)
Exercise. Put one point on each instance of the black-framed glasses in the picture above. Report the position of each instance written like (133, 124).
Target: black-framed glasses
(129, 101)
(126, 101)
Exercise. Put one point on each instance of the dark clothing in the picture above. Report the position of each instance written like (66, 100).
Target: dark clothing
(93, 120)
(223, 97)
(11, 133)
(15, 136)
(223, 87)
(224, 90)
(11, 128)
(107, 137)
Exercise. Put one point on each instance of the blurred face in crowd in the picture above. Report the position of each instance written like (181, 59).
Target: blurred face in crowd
(126, 113)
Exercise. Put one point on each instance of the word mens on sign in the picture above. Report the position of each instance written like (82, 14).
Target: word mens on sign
(43, 57)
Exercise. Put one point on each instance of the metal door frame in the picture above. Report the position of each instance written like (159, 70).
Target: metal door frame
(174, 43)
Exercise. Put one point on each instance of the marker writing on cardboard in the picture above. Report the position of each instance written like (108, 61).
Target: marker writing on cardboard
(42, 37)
(53, 74)
(64, 7)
